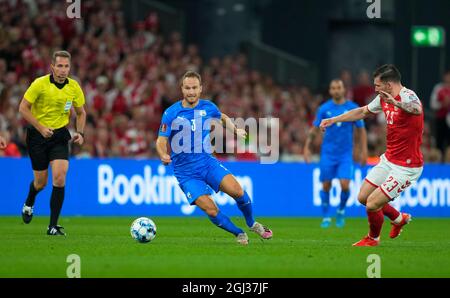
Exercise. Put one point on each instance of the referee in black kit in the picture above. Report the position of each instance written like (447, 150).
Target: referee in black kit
(46, 106)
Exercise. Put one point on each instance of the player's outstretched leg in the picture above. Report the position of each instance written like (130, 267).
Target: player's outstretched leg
(40, 179)
(59, 170)
(224, 222)
(397, 228)
(245, 205)
(206, 203)
(398, 220)
(230, 186)
(27, 209)
(56, 203)
(376, 219)
(375, 203)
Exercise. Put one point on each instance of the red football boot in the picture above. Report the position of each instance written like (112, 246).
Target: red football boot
(367, 241)
(397, 228)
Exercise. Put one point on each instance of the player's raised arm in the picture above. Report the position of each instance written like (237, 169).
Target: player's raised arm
(350, 116)
(313, 132)
(228, 124)
(412, 106)
(161, 147)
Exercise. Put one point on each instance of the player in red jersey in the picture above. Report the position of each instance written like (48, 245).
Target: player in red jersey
(402, 162)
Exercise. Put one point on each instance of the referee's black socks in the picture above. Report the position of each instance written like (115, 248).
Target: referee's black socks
(32, 193)
(56, 203)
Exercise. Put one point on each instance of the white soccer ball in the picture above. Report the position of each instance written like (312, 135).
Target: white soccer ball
(143, 230)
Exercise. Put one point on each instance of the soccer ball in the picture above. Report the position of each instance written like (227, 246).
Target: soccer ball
(143, 230)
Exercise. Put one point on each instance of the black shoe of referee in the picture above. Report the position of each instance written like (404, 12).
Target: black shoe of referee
(56, 231)
(27, 214)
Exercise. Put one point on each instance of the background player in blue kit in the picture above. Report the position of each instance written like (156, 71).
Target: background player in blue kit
(336, 159)
(185, 130)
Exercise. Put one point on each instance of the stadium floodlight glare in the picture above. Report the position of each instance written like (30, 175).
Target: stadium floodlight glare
(428, 36)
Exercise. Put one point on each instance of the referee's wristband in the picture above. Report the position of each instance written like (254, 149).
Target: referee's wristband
(80, 133)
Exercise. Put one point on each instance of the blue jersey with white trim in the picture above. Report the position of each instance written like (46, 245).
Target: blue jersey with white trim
(337, 144)
(188, 131)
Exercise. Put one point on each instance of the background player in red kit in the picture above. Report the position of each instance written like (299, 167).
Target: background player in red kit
(402, 163)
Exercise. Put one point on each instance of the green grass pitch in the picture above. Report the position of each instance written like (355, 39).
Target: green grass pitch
(192, 247)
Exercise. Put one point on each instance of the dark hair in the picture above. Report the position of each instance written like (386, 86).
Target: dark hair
(388, 73)
(64, 54)
(191, 74)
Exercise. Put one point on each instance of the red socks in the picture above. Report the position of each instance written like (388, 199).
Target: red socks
(376, 220)
(390, 212)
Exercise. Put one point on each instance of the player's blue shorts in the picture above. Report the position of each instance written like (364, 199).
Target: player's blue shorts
(205, 180)
(340, 170)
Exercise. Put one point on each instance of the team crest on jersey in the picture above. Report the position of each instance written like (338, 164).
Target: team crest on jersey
(202, 113)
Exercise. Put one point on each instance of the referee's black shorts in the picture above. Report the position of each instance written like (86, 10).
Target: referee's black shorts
(42, 151)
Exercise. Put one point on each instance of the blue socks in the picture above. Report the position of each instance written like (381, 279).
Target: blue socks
(344, 198)
(223, 222)
(245, 205)
(325, 198)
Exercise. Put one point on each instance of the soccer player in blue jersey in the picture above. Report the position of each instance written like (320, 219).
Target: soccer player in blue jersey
(185, 131)
(336, 159)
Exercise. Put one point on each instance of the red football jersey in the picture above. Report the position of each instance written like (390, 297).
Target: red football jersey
(404, 130)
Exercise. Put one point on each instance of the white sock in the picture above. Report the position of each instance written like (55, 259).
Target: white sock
(377, 238)
(398, 219)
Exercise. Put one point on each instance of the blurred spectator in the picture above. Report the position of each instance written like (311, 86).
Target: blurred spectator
(11, 149)
(364, 92)
(447, 155)
(346, 77)
(440, 103)
(131, 76)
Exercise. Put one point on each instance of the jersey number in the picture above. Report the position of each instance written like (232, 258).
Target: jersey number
(390, 184)
(390, 117)
(193, 124)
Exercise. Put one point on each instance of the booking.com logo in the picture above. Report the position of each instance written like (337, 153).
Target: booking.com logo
(262, 136)
(153, 186)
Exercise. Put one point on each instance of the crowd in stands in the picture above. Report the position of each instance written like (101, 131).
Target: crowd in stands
(131, 75)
